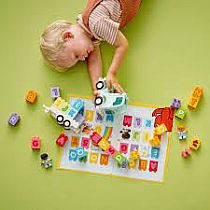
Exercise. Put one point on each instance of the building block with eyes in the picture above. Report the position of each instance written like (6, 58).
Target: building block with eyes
(176, 103)
(61, 140)
(180, 113)
(14, 119)
(186, 153)
(160, 129)
(55, 92)
(195, 143)
(36, 143)
(31, 96)
(195, 97)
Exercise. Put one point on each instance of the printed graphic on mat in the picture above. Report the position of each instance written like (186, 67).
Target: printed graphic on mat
(122, 134)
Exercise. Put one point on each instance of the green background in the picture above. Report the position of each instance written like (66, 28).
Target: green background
(169, 54)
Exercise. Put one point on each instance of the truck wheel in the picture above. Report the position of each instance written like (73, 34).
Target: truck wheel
(66, 124)
(99, 85)
(98, 100)
(60, 119)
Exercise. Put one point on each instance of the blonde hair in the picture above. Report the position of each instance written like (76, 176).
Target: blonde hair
(52, 43)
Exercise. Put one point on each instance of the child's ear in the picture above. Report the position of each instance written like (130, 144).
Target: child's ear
(67, 36)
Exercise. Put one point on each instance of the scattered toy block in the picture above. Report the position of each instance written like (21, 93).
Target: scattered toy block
(119, 158)
(155, 141)
(31, 96)
(80, 152)
(186, 153)
(61, 140)
(36, 143)
(96, 138)
(195, 97)
(55, 92)
(195, 143)
(180, 113)
(176, 103)
(135, 155)
(160, 129)
(14, 119)
(103, 144)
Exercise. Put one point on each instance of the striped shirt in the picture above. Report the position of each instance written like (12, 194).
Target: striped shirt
(104, 21)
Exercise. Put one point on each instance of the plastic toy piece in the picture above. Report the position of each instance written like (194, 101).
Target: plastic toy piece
(55, 92)
(195, 97)
(106, 100)
(180, 113)
(96, 138)
(195, 143)
(14, 119)
(103, 144)
(176, 103)
(181, 132)
(119, 158)
(84, 158)
(155, 141)
(135, 155)
(61, 140)
(31, 96)
(67, 116)
(124, 163)
(159, 130)
(186, 153)
(36, 143)
(80, 153)
(46, 162)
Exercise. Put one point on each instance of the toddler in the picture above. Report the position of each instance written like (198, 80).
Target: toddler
(64, 44)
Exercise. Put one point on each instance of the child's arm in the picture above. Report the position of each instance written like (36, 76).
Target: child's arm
(121, 45)
(95, 67)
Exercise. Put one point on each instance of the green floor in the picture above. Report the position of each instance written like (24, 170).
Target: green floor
(169, 54)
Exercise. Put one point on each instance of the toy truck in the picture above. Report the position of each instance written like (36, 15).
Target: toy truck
(107, 100)
(70, 117)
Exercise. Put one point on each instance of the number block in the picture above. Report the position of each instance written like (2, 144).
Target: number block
(180, 113)
(14, 119)
(55, 92)
(159, 130)
(195, 97)
(36, 143)
(31, 96)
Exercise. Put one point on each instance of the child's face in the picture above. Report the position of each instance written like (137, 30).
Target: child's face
(77, 49)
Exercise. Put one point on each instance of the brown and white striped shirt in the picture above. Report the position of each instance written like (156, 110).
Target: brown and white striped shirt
(104, 21)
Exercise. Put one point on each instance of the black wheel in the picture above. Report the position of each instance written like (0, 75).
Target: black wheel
(60, 119)
(98, 100)
(66, 124)
(99, 85)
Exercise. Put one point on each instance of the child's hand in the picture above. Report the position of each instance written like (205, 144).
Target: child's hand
(111, 81)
